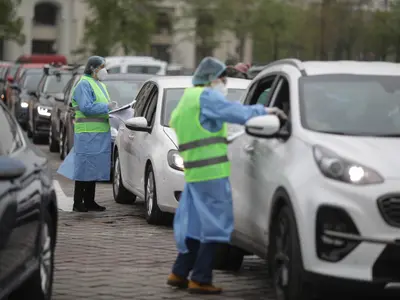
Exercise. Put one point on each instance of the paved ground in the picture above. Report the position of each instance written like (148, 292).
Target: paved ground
(116, 255)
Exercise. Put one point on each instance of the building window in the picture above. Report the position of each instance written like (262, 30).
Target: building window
(163, 23)
(161, 52)
(43, 47)
(45, 14)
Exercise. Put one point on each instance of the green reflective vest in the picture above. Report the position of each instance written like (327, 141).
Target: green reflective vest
(204, 153)
(93, 123)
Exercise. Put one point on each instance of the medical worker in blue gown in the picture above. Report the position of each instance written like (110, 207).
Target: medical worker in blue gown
(204, 216)
(90, 158)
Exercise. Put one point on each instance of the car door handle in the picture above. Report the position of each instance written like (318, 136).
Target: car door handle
(131, 136)
(249, 149)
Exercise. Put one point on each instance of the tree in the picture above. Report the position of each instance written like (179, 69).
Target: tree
(10, 23)
(118, 23)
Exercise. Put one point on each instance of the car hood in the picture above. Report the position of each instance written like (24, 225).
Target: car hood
(379, 153)
(171, 135)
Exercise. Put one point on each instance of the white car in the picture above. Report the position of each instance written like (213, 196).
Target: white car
(318, 195)
(135, 65)
(147, 162)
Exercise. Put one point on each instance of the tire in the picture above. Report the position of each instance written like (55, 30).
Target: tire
(228, 258)
(61, 144)
(29, 130)
(120, 193)
(153, 213)
(285, 261)
(35, 138)
(53, 145)
(33, 287)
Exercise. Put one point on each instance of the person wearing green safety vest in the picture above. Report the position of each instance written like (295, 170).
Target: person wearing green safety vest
(204, 216)
(90, 158)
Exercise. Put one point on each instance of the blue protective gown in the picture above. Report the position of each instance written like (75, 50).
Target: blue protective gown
(90, 158)
(205, 210)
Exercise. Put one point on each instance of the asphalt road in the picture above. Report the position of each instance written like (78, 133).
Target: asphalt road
(116, 255)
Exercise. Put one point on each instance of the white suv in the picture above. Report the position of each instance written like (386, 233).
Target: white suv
(319, 194)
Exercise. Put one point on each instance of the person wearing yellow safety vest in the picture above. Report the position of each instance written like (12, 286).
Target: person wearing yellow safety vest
(204, 216)
(89, 160)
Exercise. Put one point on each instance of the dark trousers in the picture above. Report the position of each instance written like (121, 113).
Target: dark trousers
(199, 260)
(84, 191)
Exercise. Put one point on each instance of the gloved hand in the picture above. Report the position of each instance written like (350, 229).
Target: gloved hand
(276, 111)
(112, 105)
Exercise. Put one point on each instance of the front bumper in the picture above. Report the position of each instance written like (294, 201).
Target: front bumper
(373, 253)
(42, 125)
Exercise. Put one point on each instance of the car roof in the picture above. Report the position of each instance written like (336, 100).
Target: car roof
(32, 66)
(186, 81)
(35, 71)
(138, 77)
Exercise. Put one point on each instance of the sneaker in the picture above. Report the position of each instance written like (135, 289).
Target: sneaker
(177, 281)
(94, 207)
(79, 207)
(200, 288)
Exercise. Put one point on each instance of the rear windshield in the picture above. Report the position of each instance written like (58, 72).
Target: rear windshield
(136, 69)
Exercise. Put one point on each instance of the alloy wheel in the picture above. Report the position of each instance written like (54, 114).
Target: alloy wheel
(150, 193)
(117, 174)
(45, 259)
(282, 258)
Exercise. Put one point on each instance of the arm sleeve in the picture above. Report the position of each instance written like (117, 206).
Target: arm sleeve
(214, 106)
(84, 97)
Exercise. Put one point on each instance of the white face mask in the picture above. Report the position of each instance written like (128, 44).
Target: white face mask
(102, 74)
(221, 87)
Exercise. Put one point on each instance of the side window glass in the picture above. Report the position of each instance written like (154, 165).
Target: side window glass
(259, 92)
(142, 99)
(114, 70)
(10, 139)
(151, 108)
(41, 84)
(281, 99)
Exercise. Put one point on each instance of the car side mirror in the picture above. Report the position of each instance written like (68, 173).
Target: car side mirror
(32, 93)
(137, 124)
(11, 168)
(59, 97)
(263, 126)
(15, 86)
(10, 79)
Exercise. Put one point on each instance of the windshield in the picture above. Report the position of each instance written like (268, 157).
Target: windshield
(56, 83)
(172, 97)
(13, 70)
(351, 104)
(123, 92)
(153, 70)
(31, 82)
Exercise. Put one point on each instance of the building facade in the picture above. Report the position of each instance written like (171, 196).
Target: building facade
(57, 26)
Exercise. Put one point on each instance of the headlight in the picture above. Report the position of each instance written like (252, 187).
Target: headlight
(24, 104)
(337, 168)
(175, 160)
(114, 132)
(44, 111)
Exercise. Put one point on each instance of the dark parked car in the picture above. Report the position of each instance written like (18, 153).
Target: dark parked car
(60, 110)
(23, 91)
(4, 66)
(28, 216)
(49, 91)
(9, 79)
(122, 89)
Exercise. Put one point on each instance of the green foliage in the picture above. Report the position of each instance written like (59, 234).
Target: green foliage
(10, 24)
(118, 23)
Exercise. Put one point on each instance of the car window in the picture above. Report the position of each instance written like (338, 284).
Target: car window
(56, 83)
(10, 138)
(13, 70)
(41, 83)
(114, 70)
(122, 91)
(137, 69)
(31, 82)
(142, 99)
(172, 97)
(258, 91)
(280, 98)
(151, 107)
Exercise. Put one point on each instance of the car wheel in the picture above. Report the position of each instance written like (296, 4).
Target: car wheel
(39, 286)
(66, 144)
(28, 130)
(285, 260)
(121, 194)
(153, 213)
(61, 145)
(228, 258)
(53, 145)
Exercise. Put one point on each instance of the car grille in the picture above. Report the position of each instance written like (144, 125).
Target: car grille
(389, 207)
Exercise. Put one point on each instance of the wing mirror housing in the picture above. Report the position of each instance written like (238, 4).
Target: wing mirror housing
(32, 93)
(11, 168)
(15, 86)
(59, 97)
(266, 126)
(137, 124)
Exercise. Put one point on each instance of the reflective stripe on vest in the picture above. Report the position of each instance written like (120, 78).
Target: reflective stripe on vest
(206, 162)
(203, 142)
(91, 120)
